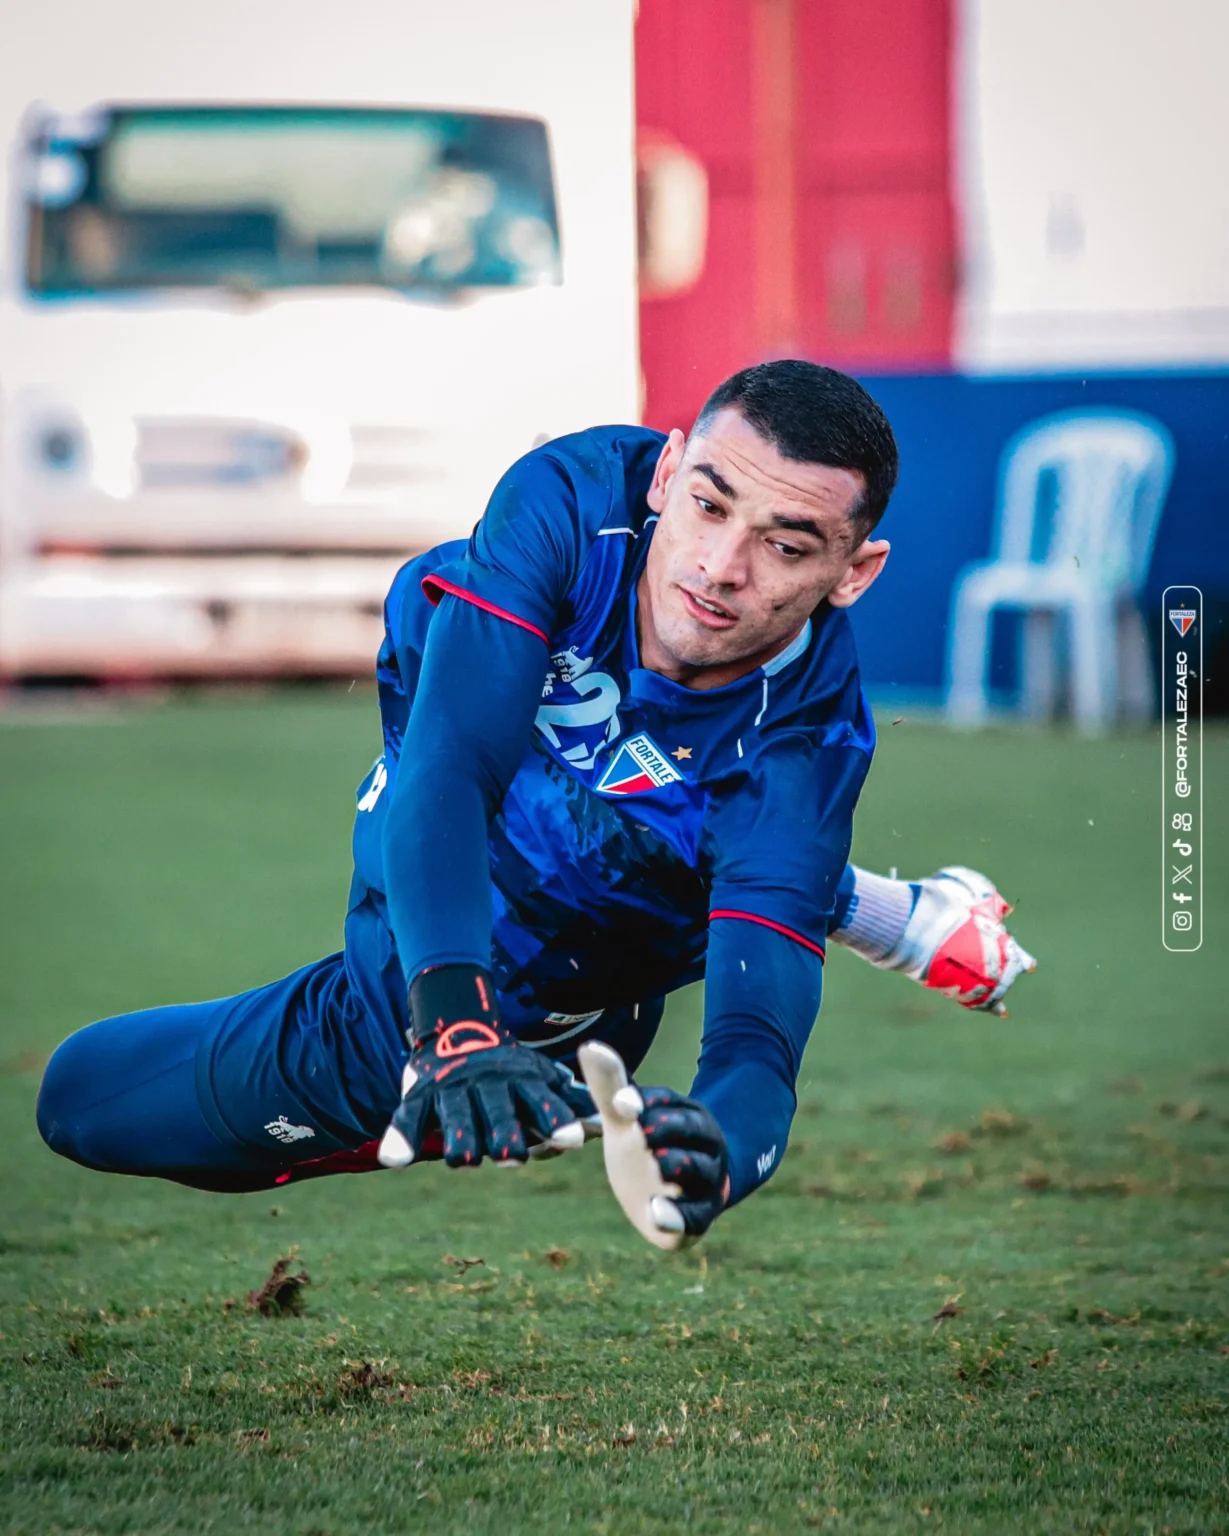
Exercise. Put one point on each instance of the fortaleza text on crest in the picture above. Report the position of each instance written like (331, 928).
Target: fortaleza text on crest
(638, 765)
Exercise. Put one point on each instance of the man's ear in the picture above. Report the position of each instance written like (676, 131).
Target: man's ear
(668, 461)
(868, 560)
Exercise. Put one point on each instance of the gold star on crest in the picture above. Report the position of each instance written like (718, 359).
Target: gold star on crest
(682, 753)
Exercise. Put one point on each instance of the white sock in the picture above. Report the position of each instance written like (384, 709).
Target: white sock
(879, 911)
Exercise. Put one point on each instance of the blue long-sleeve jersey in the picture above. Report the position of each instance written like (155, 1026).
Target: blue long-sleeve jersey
(593, 832)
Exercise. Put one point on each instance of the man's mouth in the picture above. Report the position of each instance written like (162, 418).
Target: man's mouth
(707, 612)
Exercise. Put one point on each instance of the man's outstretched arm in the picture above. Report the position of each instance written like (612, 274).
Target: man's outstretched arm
(475, 693)
(762, 993)
(779, 849)
(468, 731)
(473, 712)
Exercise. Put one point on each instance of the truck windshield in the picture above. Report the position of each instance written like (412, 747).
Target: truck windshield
(252, 198)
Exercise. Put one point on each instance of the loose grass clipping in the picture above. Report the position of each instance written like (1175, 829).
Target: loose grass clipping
(282, 1293)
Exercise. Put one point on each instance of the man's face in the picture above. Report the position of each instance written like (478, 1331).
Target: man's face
(747, 544)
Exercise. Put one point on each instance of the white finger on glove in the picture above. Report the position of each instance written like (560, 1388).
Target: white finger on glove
(567, 1138)
(394, 1151)
(666, 1214)
(633, 1171)
(1018, 963)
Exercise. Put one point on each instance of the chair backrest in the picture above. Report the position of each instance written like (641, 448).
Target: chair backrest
(1085, 486)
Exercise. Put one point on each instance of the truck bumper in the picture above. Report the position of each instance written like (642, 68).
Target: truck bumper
(160, 616)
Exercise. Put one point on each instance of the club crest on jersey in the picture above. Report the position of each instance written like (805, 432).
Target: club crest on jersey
(1182, 618)
(637, 766)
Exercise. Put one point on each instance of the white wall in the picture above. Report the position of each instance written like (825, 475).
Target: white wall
(1091, 138)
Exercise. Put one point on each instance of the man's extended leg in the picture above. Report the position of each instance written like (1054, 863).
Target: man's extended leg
(120, 1096)
(228, 1095)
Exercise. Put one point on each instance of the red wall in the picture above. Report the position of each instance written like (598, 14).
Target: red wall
(823, 126)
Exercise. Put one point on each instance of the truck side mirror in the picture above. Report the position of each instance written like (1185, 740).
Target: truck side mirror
(672, 215)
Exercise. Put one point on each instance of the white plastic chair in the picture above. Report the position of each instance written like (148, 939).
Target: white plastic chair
(1109, 471)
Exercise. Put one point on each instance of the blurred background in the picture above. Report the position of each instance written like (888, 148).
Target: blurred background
(281, 297)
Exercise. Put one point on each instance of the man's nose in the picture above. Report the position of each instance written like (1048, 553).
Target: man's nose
(723, 556)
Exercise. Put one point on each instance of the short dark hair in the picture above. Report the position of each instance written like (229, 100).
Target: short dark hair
(815, 415)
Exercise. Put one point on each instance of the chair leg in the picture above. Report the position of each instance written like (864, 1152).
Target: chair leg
(1135, 664)
(1094, 663)
(968, 659)
(1040, 673)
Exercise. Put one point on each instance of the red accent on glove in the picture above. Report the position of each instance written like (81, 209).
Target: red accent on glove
(961, 966)
(449, 1042)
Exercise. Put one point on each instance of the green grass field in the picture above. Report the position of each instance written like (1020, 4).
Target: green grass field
(488, 1353)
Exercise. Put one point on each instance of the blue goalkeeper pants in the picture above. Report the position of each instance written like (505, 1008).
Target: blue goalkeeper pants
(226, 1095)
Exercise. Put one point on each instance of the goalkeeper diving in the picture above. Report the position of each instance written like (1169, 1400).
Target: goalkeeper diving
(623, 740)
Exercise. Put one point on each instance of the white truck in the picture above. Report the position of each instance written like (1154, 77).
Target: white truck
(283, 294)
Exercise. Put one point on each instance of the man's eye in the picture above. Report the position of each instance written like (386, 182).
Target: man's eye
(790, 551)
(706, 506)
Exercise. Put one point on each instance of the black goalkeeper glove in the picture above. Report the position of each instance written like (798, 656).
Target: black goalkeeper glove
(691, 1152)
(469, 1080)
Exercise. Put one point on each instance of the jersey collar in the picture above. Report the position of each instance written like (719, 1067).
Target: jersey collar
(792, 651)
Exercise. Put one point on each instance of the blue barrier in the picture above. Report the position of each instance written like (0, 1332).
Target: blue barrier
(952, 431)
